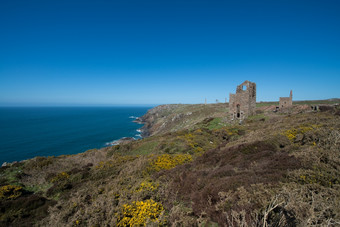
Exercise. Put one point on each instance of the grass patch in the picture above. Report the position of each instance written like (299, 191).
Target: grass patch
(216, 124)
(258, 117)
(38, 187)
(260, 104)
(145, 148)
(11, 175)
(212, 123)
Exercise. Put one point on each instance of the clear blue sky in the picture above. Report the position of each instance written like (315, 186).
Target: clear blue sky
(95, 52)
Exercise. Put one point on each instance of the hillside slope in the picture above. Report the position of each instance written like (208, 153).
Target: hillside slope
(174, 117)
(200, 169)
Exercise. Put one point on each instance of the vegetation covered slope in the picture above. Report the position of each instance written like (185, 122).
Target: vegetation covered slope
(272, 170)
(174, 117)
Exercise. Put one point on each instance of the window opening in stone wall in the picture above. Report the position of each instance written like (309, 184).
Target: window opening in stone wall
(244, 87)
(238, 111)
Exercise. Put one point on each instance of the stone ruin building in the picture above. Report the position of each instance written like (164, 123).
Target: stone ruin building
(286, 102)
(243, 103)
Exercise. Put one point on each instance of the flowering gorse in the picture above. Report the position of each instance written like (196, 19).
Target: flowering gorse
(147, 186)
(139, 213)
(10, 191)
(60, 177)
(292, 133)
(167, 161)
(189, 139)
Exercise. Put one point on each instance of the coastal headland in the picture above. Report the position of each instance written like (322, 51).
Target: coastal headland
(194, 166)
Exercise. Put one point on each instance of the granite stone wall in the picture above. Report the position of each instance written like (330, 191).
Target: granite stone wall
(243, 103)
(286, 102)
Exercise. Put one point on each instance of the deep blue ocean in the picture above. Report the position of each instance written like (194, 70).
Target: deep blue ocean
(26, 132)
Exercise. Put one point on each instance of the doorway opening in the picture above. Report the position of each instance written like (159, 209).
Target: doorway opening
(238, 111)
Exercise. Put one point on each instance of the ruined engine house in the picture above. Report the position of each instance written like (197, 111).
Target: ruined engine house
(286, 102)
(243, 103)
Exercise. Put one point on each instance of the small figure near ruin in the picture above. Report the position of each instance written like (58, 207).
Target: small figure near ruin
(286, 102)
(243, 103)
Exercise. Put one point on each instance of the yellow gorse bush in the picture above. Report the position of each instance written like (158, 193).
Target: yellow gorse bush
(292, 133)
(320, 178)
(147, 186)
(232, 131)
(190, 140)
(198, 131)
(60, 176)
(139, 213)
(167, 161)
(10, 191)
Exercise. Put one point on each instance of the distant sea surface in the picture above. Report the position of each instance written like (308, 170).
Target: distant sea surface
(26, 132)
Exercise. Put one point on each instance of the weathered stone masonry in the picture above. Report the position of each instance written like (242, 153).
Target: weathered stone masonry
(286, 102)
(243, 103)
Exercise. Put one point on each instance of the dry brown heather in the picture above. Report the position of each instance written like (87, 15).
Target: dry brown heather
(198, 169)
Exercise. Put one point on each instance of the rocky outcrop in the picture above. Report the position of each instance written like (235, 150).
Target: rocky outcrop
(155, 120)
